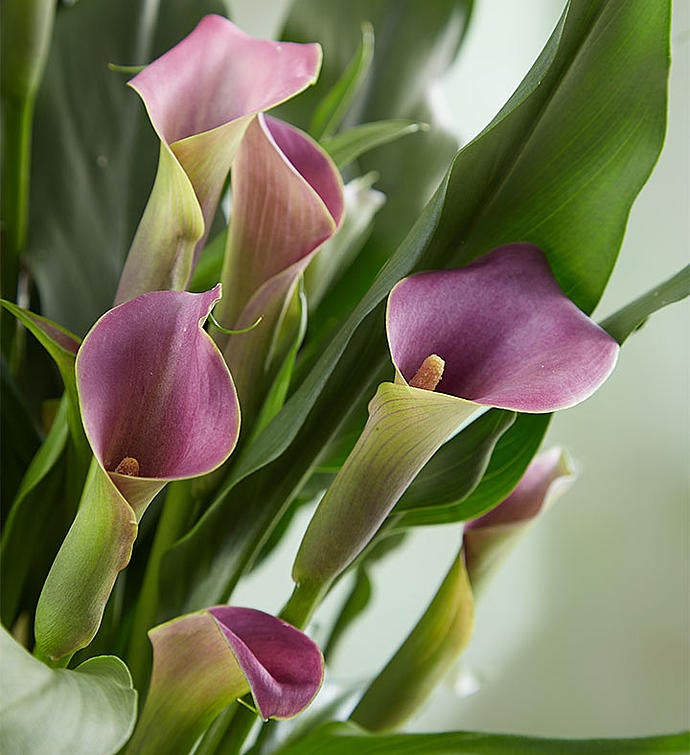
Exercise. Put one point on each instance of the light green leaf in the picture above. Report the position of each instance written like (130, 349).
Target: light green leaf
(88, 711)
(627, 320)
(362, 202)
(344, 739)
(356, 141)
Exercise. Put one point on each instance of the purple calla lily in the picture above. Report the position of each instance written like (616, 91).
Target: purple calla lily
(200, 96)
(204, 661)
(283, 667)
(487, 539)
(158, 404)
(497, 333)
(154, 390)
(287, 201)
(508, 335)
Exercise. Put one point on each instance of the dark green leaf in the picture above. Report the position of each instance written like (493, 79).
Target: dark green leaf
(510, 459)
(19, 436)
(40, 500)
(627, 320)
(344, 739)
(456, 469)
(88, 711)
(562, 162)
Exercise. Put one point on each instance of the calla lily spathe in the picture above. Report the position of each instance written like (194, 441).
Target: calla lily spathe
(489, 538)
(204, 661)
(158, 404)
(287, 200)
(201, 96)
(497, 333)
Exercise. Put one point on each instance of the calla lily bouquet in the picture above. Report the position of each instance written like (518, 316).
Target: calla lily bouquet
(330, 307)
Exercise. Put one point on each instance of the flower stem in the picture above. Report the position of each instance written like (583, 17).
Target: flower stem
(302, 603)
(173, 523)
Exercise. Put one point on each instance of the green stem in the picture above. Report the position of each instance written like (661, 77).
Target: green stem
(302, 604)
(17, 119)
(173, 523)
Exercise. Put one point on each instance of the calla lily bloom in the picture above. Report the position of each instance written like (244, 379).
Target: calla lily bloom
(200, 96)
(287, 200)
(446, 627)
(204, 661)
(489, 538)
(497, 333)
(158, 404)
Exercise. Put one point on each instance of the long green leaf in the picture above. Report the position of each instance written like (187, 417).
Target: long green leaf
(631, 317)
(349, 145)
(343, 739)
(562, 163)
(88, 711)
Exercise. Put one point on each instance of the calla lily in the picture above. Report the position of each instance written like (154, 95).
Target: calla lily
(489, 538)
(287, 200)
(497, 333)
(204, 661)
(200, 96)
(158, 404)
(446, 627)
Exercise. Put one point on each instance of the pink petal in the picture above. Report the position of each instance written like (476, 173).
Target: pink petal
(283, 666)
(287, 200)
(530, 494)
(509, 336)
(153, 386)
(218, 74)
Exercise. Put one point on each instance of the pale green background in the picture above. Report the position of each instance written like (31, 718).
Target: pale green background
(585, 632)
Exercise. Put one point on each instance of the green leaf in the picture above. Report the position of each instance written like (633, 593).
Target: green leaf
(62, 347)
(354, 605)
(19, 435)
(562, 162)
(511, 457)
(423, 659)
(333, 107)
(349, 145)
(344, 739)
(97, 159)
(457, 468)
(36, 501)
(633, 316)
(415, 45)
(88, 711)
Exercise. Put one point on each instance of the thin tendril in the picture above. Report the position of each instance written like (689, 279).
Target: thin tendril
(248, 706)
(230, 332)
